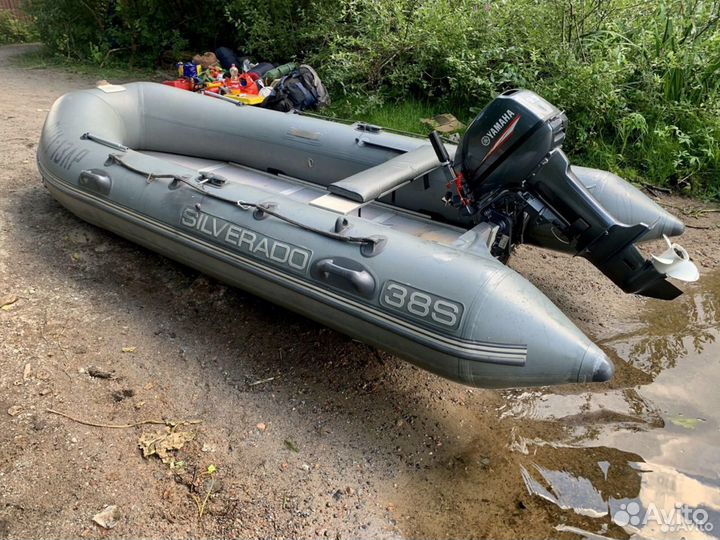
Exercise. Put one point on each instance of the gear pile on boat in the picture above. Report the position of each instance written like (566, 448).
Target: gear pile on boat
(237, 79)
(398, 241)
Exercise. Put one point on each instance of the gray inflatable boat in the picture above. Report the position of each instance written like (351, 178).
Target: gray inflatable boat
(397, 241)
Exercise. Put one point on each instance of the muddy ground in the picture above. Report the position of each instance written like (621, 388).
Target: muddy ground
(312, 434)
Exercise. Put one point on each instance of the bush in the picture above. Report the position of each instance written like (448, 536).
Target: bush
(14, 29)
(143, 32)
(639, 79)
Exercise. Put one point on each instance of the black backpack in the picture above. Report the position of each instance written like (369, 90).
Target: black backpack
(302, 89)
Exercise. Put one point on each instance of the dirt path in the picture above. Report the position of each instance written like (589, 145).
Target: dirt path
(312, 434)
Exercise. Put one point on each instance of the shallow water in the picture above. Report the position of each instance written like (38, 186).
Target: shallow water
(666, 433)
(637, 458)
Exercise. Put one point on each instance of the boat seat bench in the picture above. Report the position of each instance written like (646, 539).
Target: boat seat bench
(373, 183)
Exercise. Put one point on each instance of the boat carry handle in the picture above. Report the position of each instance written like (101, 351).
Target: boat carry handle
(110, 144)
(96, 180)
(361, 280)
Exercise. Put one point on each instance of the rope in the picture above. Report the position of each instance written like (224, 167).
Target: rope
(117, 160)
(244, 205)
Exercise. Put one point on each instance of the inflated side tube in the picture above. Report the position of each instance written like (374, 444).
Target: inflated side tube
(627, 204)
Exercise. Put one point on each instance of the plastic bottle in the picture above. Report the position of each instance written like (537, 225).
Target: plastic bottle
(234, 72)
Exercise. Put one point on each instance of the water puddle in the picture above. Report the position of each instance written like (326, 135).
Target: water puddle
(567, 491)
(636, 459)
(671, 425)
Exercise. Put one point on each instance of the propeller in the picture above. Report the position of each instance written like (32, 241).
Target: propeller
(675, 262)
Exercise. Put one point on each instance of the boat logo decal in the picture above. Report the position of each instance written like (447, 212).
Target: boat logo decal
(503, 138)
(497, 127)
(62, 152)
(420, 305)
(253, 243)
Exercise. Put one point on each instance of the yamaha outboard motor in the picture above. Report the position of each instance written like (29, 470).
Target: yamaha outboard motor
(512, 173)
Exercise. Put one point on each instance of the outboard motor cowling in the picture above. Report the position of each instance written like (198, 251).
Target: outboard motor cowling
(515, 175)
(508, 140)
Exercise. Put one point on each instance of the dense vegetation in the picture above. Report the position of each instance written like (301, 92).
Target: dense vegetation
(639, 79)
(14, 29)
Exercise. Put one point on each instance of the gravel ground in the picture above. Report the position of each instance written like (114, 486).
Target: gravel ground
(311, 434)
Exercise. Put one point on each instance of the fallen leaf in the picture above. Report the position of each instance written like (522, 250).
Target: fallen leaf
(162, 442)
(120, 395)
(687, 423)
(129, 349)
(98, 373)
(212, 469)
(291, 445)
(15, 410)
(444, 123)
(7, 301)
(108, 518)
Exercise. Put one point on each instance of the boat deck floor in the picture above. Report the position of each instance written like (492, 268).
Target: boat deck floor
(406, 221)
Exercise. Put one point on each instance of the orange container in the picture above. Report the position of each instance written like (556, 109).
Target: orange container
(244, 85)
(183, 84)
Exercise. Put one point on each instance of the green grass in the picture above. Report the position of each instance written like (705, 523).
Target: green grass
(403, 116)
(400, 116)
(113, 72)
